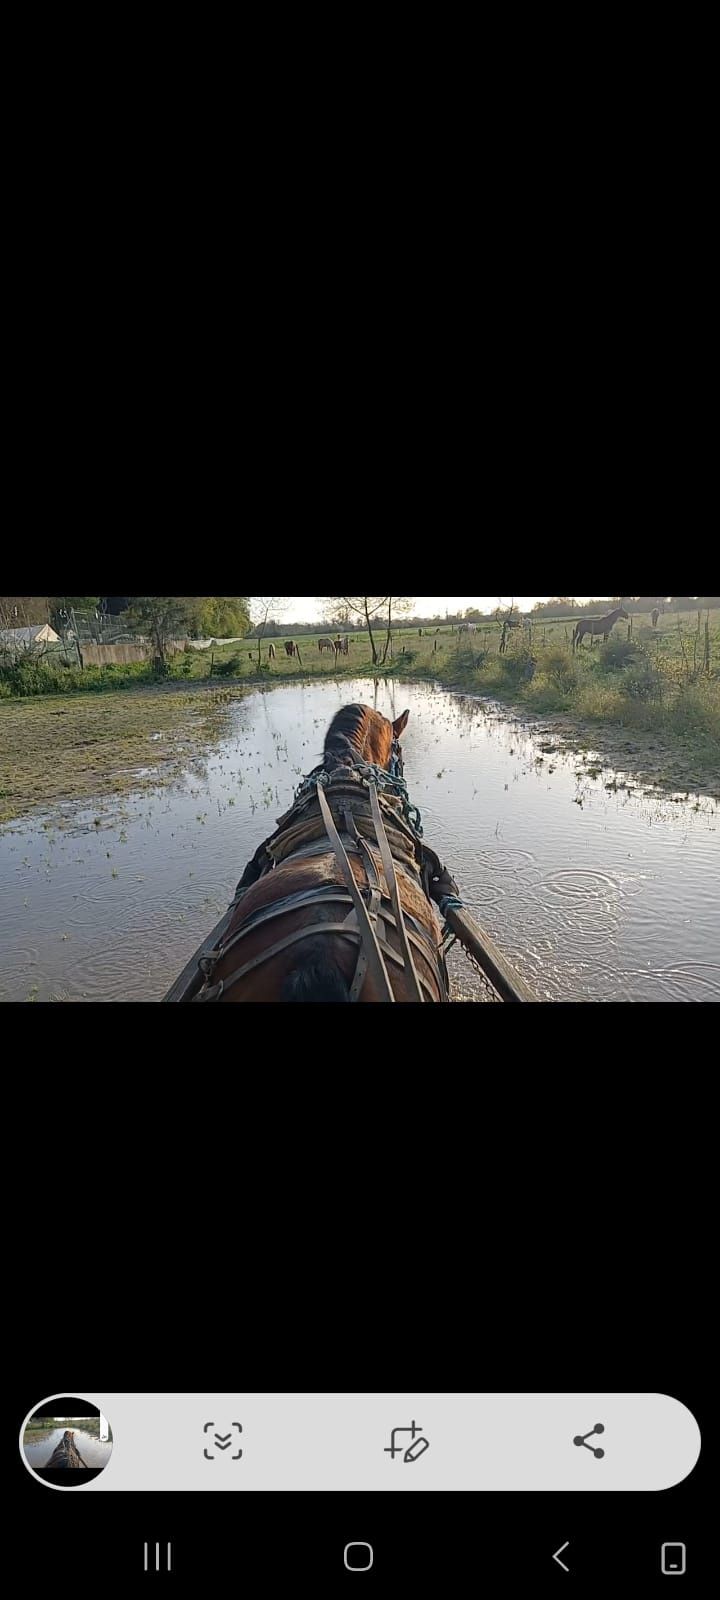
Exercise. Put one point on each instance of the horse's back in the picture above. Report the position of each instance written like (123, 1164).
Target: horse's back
(299, 875)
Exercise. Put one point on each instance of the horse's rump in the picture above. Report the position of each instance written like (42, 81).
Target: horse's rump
(305, 892)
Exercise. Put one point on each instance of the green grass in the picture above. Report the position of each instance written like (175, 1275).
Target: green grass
(79, 746)
(654, 686)
(654, 690)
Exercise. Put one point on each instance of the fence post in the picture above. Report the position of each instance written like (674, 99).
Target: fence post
(77, 637)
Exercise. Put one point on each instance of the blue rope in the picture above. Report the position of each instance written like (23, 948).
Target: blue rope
(449, 902)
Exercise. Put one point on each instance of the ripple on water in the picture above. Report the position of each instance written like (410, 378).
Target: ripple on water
(106, 973)
(689, 982)
(504, 859)
(572, 923)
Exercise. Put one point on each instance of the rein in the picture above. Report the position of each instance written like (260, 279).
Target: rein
(366, 921)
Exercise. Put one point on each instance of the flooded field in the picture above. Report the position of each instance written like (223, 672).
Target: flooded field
(38, 1450)
(595, 888)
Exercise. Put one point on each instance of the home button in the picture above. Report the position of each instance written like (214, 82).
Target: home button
(358, 1557)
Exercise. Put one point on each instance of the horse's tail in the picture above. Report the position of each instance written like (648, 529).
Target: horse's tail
(319, 977)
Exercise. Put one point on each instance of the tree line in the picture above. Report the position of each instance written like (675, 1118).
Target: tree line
(198, 617)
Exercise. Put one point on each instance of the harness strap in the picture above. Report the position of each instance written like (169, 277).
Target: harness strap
(376, 964)
(342, 928)
(328, 894)
(391, 880)
(365, 923)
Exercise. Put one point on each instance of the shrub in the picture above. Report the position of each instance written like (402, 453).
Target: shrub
(643, 683)
(519, 664)
(560, 668)
(618, 654)
(227, 669)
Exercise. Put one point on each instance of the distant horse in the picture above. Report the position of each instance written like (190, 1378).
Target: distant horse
(290, 647)
(655, 617)
(325, 644)
(335, 905)
(597, 625)
(340, 646)
(271, 652)
(419, 633)
(66, 1454)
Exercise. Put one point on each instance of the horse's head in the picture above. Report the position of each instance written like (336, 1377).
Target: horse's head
(357, 733)
(624, 614)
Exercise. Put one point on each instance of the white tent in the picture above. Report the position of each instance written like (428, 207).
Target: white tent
(21, 639)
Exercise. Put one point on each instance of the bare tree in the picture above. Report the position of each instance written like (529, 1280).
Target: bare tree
(265, 608)
(365, 606)
(401, 605)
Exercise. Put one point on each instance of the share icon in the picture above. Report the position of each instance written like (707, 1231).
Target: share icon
(582, 1438)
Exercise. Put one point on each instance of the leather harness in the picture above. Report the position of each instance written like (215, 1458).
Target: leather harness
(304, 832)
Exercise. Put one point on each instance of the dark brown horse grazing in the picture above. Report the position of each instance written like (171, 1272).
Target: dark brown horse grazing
(655, 616)
(597, 625)
(335, 906)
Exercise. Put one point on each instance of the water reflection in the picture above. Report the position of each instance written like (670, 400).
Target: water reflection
(595, 889)
(95, 1452)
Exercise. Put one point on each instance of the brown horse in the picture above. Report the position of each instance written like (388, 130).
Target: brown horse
(655, 616)
(597, 625)
(66, 1453)
(335, 905)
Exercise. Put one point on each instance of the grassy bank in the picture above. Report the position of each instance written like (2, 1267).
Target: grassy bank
(63, 749)
(646, 703)
(641, 705)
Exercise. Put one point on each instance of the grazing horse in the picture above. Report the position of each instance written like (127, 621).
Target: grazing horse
(66, 1453)
(325, 644)
(655, 617)
(597, 625)
(336, 904)
(271, 652)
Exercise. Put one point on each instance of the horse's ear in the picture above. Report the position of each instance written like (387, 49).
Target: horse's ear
(400, 725)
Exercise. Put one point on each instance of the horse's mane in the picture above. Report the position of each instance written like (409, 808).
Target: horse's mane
(345, 737)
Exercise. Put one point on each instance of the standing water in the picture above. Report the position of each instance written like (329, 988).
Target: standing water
(594, 889)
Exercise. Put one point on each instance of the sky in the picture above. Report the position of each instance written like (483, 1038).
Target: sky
(307, 609)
